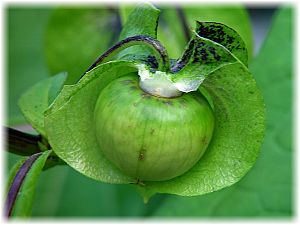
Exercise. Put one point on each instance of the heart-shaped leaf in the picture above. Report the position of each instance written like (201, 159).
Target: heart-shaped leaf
(36, 100)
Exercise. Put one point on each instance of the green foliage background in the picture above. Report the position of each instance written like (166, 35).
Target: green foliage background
(267, 191)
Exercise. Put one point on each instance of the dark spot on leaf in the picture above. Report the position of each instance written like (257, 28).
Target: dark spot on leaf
(151, 60)
(180, 63)
(230, 39)
(217, 57)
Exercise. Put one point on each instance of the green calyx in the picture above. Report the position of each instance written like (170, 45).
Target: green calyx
(134, 117)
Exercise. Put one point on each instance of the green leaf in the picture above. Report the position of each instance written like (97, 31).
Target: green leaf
(124, 11)
(56, 86)
(213, 46)
(267, 190)
(142, 20)
(23, 185)
(24, 54)
(36, 100)
(225, 36)
(172, 35)
(76, 36)
(69, 123)
(235, 16)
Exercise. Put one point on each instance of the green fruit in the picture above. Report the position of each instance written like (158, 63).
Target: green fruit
(148, 137)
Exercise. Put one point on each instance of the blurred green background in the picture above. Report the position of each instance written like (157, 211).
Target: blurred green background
(32, 34)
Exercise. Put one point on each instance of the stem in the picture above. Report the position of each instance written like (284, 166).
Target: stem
(189, 50)
(22, 143)
(160, 51)
(17, 183)
(117, 24)
(184, 23)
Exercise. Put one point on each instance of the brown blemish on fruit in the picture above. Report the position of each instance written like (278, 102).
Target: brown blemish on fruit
(126, 81)
(142, 154)
(183, 102)
(170, 103)
(145, 96)
(205, 141)
(133, 88)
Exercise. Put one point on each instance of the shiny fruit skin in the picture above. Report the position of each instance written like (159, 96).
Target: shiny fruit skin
(151, 138)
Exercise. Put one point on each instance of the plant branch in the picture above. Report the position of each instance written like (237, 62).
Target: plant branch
(22, 143)
(161, 52)
(184, 23)
(17, 183)
(116, 24)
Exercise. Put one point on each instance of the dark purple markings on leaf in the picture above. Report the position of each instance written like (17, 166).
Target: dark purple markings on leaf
(185, 58)
(17, 183)
(152, 61)
(202, 51)
(225, 36)
(215, 32)
(206, 52)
